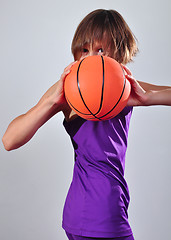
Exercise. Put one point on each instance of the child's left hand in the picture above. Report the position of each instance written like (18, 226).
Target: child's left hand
(138, 96)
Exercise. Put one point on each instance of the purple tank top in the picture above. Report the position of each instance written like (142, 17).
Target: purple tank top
(97, 201)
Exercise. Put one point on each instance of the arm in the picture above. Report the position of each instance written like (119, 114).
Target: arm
(23, 128)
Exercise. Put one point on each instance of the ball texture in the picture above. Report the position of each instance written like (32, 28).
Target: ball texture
(96, 88)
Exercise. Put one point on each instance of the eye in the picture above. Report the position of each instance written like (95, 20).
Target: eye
(100, 50)
(84, 50)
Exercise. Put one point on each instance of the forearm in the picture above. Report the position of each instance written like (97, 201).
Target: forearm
(161, 97)
(156, 94)
(153, 87)
(22, 128)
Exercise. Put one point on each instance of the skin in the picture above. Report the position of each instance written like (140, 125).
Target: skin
(23, 128)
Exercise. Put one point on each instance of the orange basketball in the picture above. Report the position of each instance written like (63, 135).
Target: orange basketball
(96, 88)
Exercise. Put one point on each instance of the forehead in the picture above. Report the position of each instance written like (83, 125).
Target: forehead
(92, 45)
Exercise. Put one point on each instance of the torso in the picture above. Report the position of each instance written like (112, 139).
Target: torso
(98, 198)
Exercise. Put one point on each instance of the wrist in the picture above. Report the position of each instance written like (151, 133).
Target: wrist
(50, 104)
(149, 96)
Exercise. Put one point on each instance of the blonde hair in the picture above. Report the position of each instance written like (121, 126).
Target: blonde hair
(109, 28)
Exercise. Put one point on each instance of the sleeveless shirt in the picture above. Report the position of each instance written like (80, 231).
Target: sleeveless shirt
(97, 201)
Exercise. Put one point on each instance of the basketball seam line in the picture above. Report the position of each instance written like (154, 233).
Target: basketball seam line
(78, 85)
(119, 97)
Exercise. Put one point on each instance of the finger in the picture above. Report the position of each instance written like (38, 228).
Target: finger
(131, 79)
(126, 69)
(65, 73)
(67, 70)
(70, 65)
(135, 85)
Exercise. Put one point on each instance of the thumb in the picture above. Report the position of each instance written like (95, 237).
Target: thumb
(134, 84)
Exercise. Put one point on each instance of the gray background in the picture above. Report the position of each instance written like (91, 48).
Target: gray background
(34, 49)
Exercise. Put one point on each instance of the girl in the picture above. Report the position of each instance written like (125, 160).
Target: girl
(97, 201)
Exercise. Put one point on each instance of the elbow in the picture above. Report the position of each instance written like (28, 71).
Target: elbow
(7, 144)
(10, 143)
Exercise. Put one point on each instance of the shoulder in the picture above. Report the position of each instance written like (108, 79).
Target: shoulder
(69, 114)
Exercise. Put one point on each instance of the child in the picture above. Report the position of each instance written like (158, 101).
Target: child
(97, 201)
